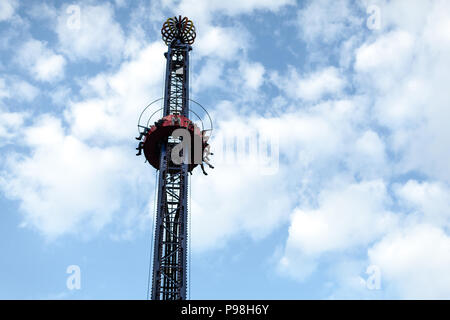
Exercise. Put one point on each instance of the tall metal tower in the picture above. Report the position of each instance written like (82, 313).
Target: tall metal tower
(171, 138)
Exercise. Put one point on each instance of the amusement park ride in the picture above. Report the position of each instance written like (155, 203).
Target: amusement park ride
(174, 145)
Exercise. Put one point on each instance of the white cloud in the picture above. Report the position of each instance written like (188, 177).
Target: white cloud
(7, 9)
(24, 90)
(322, 20)
(17, 89)
(311, 87)
(368, 158)
(347, 216)
(211, 75)
(409, 15)
(81, 176)
(371, 145)
(98, 36)
(253, 74)
(402, 71)
(307, 138)
(430, 200)
(399, 71)
(224, 43)
(255, 204)
(387, 59)
(414, 263)
(64, 185)
(113, 101)
(11, 124)
(311, 136)
(42, 62)
(201, 11)
(236, 6)
(258, 197)
(314, 86)
(120, 3)
(211, 40)
(42, 11)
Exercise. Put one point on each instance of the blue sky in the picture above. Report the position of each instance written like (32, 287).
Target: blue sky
(355, 93)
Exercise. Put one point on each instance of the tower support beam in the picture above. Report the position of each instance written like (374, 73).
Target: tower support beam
(161, 141)
(170, 254)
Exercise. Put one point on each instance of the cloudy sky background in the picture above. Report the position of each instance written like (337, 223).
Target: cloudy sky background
(356, 92)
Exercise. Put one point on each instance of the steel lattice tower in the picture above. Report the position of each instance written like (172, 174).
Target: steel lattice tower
(169, 275)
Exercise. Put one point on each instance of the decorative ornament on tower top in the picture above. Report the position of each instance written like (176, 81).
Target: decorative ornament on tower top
(181, 29)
